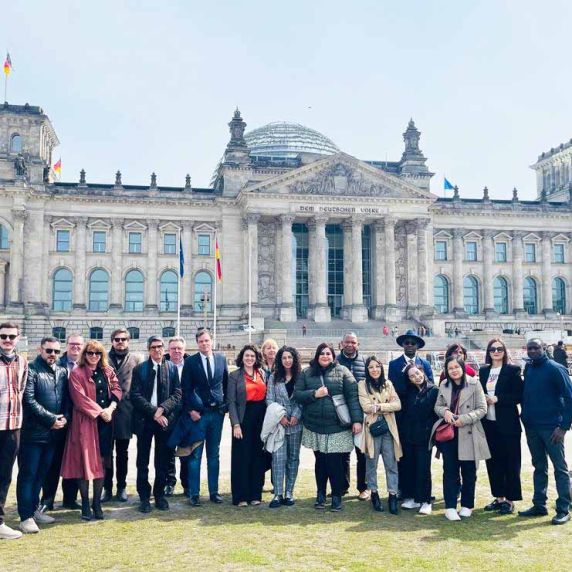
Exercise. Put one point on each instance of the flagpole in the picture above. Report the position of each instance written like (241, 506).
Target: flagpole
(179, 290)
(249, 290)
(214, 291)
(5, 87)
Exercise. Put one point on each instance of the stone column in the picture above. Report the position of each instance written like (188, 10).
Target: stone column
(116, 264)
(391, 311)
(251, 252)
(32, 259)
(151, 282)
(458, 255)
(288, 273)
(412, 269)
(378, 285)
(424, 281)
(547, 275)
(358, 310)
(517, 275)
(80, 277)
(187, 280)
(319, 310)
(16, 270)
(488, 289)
(2, 283)
(348, 269)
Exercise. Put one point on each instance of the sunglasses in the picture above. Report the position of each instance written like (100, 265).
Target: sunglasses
(8, 336)
(91, 354)
(52, 351)
(119, 339)
(496, 350)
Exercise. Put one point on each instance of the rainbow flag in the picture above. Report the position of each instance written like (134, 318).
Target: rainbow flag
(7, 64)
(58, 167)
(217, 258)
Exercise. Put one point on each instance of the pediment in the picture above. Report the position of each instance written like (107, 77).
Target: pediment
(99, 224)
(204, 227)
(472, 236)
(340, 175)
(169, 226)
(62, 223)
(443, 234)
(560, 238)
(502, 236)
(531, 237)
(135, 225)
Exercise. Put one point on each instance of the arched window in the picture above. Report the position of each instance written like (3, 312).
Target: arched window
(133, 332)
(169, 287)
(16, 143)
(59, 333)
(168, 332)
(62, 284)
(134, 291)
(471, 295)
(530, 295)
(559, 295)
(441, 294)
(96, 333)
(98, 291)
(3, 237)
(203, 292)
(500, 293)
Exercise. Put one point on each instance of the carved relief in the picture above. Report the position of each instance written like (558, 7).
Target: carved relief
(401, 266)
(267, 262)
(340, 179)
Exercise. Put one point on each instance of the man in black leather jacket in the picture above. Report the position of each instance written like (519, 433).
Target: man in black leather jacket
(47, 410)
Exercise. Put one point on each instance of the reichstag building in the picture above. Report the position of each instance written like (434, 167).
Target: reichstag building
(306, 232)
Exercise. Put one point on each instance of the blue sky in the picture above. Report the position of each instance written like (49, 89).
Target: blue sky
(150, 85)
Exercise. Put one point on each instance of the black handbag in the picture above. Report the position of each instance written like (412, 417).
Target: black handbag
(379, 427)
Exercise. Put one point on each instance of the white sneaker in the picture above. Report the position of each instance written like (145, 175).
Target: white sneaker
(43, 518)
(29, 526)
(409, 503)
(426, 508)
(452, 514)
(7, 533)
(465, 512)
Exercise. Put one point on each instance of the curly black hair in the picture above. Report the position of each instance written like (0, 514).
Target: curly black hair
(280, 371)
(252, 347)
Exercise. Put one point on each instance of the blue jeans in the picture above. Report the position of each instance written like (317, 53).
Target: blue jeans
(540, 449)
(34, 460)
(213, 421)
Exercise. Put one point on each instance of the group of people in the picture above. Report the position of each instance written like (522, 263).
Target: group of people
(65, 415)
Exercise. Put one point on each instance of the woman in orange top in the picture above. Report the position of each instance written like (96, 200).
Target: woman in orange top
(246, 397)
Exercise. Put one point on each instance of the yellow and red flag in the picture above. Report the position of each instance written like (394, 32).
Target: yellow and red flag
(58, 167)
(217, 258)
(7, 64)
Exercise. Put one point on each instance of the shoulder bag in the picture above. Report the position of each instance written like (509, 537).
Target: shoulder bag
(446, 432)
(341, 407)
(380, 426)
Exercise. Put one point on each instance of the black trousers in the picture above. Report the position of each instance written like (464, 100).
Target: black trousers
(121, 464)
(248, 458)
(183, 471)
(9, 445)
(415, 482)
(503, 467)
(152, 431)
(330, 467)
(50, 486)
(452, 468)
(360, 471)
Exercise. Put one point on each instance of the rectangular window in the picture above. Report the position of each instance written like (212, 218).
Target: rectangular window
(134, 242)
(559, 253)
(471, 251)
(99, 241)
(500, 251)
(441, 250)
(530, 252)
(170, 243)
(63, 241)
(204, 244)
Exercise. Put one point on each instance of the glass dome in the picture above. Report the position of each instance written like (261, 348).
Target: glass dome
(287, 140)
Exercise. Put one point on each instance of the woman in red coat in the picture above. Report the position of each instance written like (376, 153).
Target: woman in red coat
(458, 351)
(94, 390)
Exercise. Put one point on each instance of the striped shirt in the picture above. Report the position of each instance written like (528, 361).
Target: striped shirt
(13, 375)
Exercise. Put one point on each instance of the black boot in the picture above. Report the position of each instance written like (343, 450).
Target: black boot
(336, 503)
(392, 502)
(97, 488)
(376, 501)
(86, 513)
(320, 500)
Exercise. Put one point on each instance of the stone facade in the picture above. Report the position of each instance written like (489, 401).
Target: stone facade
(89, 257)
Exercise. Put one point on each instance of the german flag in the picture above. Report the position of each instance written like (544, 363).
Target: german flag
(217, 258)
(58, 167)
(7, 64)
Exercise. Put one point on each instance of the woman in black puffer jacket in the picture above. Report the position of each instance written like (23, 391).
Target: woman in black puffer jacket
(323, 432)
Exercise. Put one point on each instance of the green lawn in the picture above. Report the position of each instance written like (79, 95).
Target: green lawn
(222, 537)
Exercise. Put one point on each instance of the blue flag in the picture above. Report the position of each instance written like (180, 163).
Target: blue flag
(447, 186)
(181, 259)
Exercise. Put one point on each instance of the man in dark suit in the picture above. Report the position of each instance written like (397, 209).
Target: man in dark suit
(205, 375)
(156, 397)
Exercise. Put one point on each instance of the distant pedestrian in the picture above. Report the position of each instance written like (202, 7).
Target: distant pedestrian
(304, 330)
(385, 330)
(560, 355)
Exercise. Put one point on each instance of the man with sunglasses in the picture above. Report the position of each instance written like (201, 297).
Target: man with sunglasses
(47, 411)
(123, 362)
(68, 360)
(156, 398)
(13, 376)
